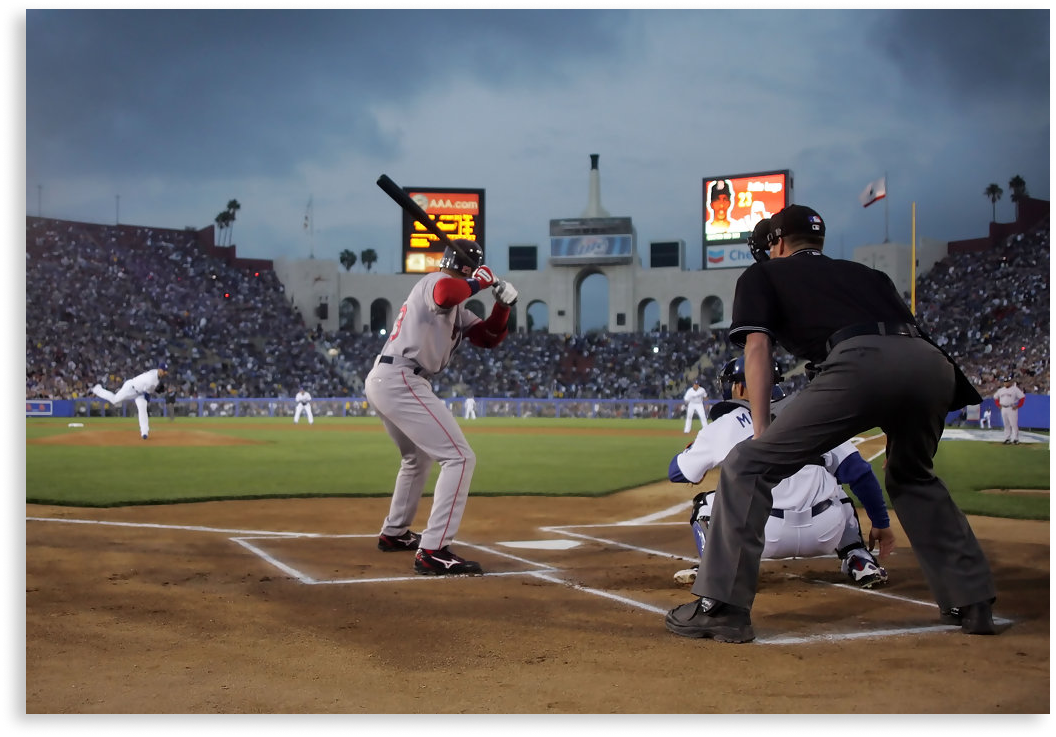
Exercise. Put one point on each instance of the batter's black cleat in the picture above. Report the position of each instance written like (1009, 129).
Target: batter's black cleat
(974, 619)
(443, 562)
(393, 543)
(710, 618)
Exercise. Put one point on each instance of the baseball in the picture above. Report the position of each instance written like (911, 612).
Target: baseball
(333, 351)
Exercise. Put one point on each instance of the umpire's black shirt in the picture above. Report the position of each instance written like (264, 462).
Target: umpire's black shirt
(802, 299)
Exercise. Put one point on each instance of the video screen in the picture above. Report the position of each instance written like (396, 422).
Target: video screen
(732, 205)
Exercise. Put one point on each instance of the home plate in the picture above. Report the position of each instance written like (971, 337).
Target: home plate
(542, 544)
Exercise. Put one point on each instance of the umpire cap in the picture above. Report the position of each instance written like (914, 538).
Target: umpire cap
(797, 220)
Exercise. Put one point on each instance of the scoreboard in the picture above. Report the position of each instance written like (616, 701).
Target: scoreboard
(733, 204)
(457, 212)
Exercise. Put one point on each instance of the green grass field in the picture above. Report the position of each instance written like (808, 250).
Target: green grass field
(354, 457)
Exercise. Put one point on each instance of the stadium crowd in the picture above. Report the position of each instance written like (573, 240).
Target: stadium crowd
(104, 303)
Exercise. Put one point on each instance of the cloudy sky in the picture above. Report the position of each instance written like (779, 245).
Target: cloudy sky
(161, 117)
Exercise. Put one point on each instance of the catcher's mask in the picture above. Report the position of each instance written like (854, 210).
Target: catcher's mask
(758, 241)
(733, 373)
(454, 261)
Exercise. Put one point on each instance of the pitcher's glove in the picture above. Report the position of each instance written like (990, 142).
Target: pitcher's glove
(505, 293)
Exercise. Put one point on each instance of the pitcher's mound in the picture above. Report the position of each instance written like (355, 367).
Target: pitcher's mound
(163, 436)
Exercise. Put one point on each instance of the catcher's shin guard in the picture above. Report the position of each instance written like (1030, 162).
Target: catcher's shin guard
(699, 519)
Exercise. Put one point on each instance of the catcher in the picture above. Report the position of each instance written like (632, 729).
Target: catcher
(811, 515)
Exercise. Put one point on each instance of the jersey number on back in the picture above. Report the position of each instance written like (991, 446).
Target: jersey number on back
(398, 323)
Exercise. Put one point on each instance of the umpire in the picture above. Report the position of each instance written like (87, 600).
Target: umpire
(875, 367)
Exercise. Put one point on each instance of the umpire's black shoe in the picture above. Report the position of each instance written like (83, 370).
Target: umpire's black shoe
(975, 619)
(443, 562)
(392, 543)
(710, 618)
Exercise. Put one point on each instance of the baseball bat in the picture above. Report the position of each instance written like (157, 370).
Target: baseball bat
(412, 208)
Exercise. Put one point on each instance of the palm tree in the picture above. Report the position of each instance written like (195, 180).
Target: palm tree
(232, 208)
(369, 257)
(1019, 191)
(348, 259)
(223, 222)
(994, 192)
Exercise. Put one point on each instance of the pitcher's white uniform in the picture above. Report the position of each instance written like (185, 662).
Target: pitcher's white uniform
(470, 409)
(304, 404)
(694, 399)
(137, 389)
(399, 388)
(811, 515)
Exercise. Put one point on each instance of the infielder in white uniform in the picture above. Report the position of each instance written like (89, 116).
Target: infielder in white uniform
(304, 404)
(694, 399)
(470, 412)
(1010, 398)
(429, 328)
(139, 390)
(811, 515)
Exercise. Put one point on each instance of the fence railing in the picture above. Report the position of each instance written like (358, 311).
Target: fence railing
(358, 407)
(1033, 415)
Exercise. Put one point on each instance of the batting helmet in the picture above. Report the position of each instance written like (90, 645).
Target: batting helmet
(758, 243)
(733, 373)
(456, 262)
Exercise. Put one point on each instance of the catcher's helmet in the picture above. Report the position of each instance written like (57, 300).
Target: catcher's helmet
(733, 373)
(758, 242)
(454, 261)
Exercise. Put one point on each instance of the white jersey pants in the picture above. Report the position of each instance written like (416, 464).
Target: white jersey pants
(126, 392)
(1010, 419)
(424, 431)
(306, 409)
(694, 408)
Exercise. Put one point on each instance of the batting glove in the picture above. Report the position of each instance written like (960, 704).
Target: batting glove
(484, 277)
(505, 293)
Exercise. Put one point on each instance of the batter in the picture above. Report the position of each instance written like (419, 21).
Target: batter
(429, 328)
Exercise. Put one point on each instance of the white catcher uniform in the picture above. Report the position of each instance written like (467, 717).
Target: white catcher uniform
(136, 389)
(812, 515)
(304, 404)
(1009, 398)
(423, 339)
(694, 399)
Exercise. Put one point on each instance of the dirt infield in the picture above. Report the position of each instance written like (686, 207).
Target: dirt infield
(285, 606)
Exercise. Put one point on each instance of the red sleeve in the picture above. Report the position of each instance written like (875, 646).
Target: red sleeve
(450, 292)
(489, 333)
(1021, 402)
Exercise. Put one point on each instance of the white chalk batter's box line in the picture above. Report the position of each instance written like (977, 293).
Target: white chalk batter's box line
(544, 572)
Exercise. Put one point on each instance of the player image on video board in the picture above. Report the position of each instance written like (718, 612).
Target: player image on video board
(734, 204)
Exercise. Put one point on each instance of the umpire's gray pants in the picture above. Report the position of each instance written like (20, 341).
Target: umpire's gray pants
(902, 385)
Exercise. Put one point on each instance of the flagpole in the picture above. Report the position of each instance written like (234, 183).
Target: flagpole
(913, 263)
(886, 238)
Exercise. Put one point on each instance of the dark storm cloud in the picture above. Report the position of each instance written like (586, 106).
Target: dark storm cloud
(180, 92)
(974, 56)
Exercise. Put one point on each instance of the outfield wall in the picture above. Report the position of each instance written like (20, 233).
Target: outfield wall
(1034, 415)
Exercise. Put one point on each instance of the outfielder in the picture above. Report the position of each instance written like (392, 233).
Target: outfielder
(1010, 398)
(811, 514)
(694, 400)
(429, 328)
(304, 404)
(470, 411)
(137, 389)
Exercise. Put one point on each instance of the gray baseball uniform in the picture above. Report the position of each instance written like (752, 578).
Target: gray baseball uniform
(424, 337)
